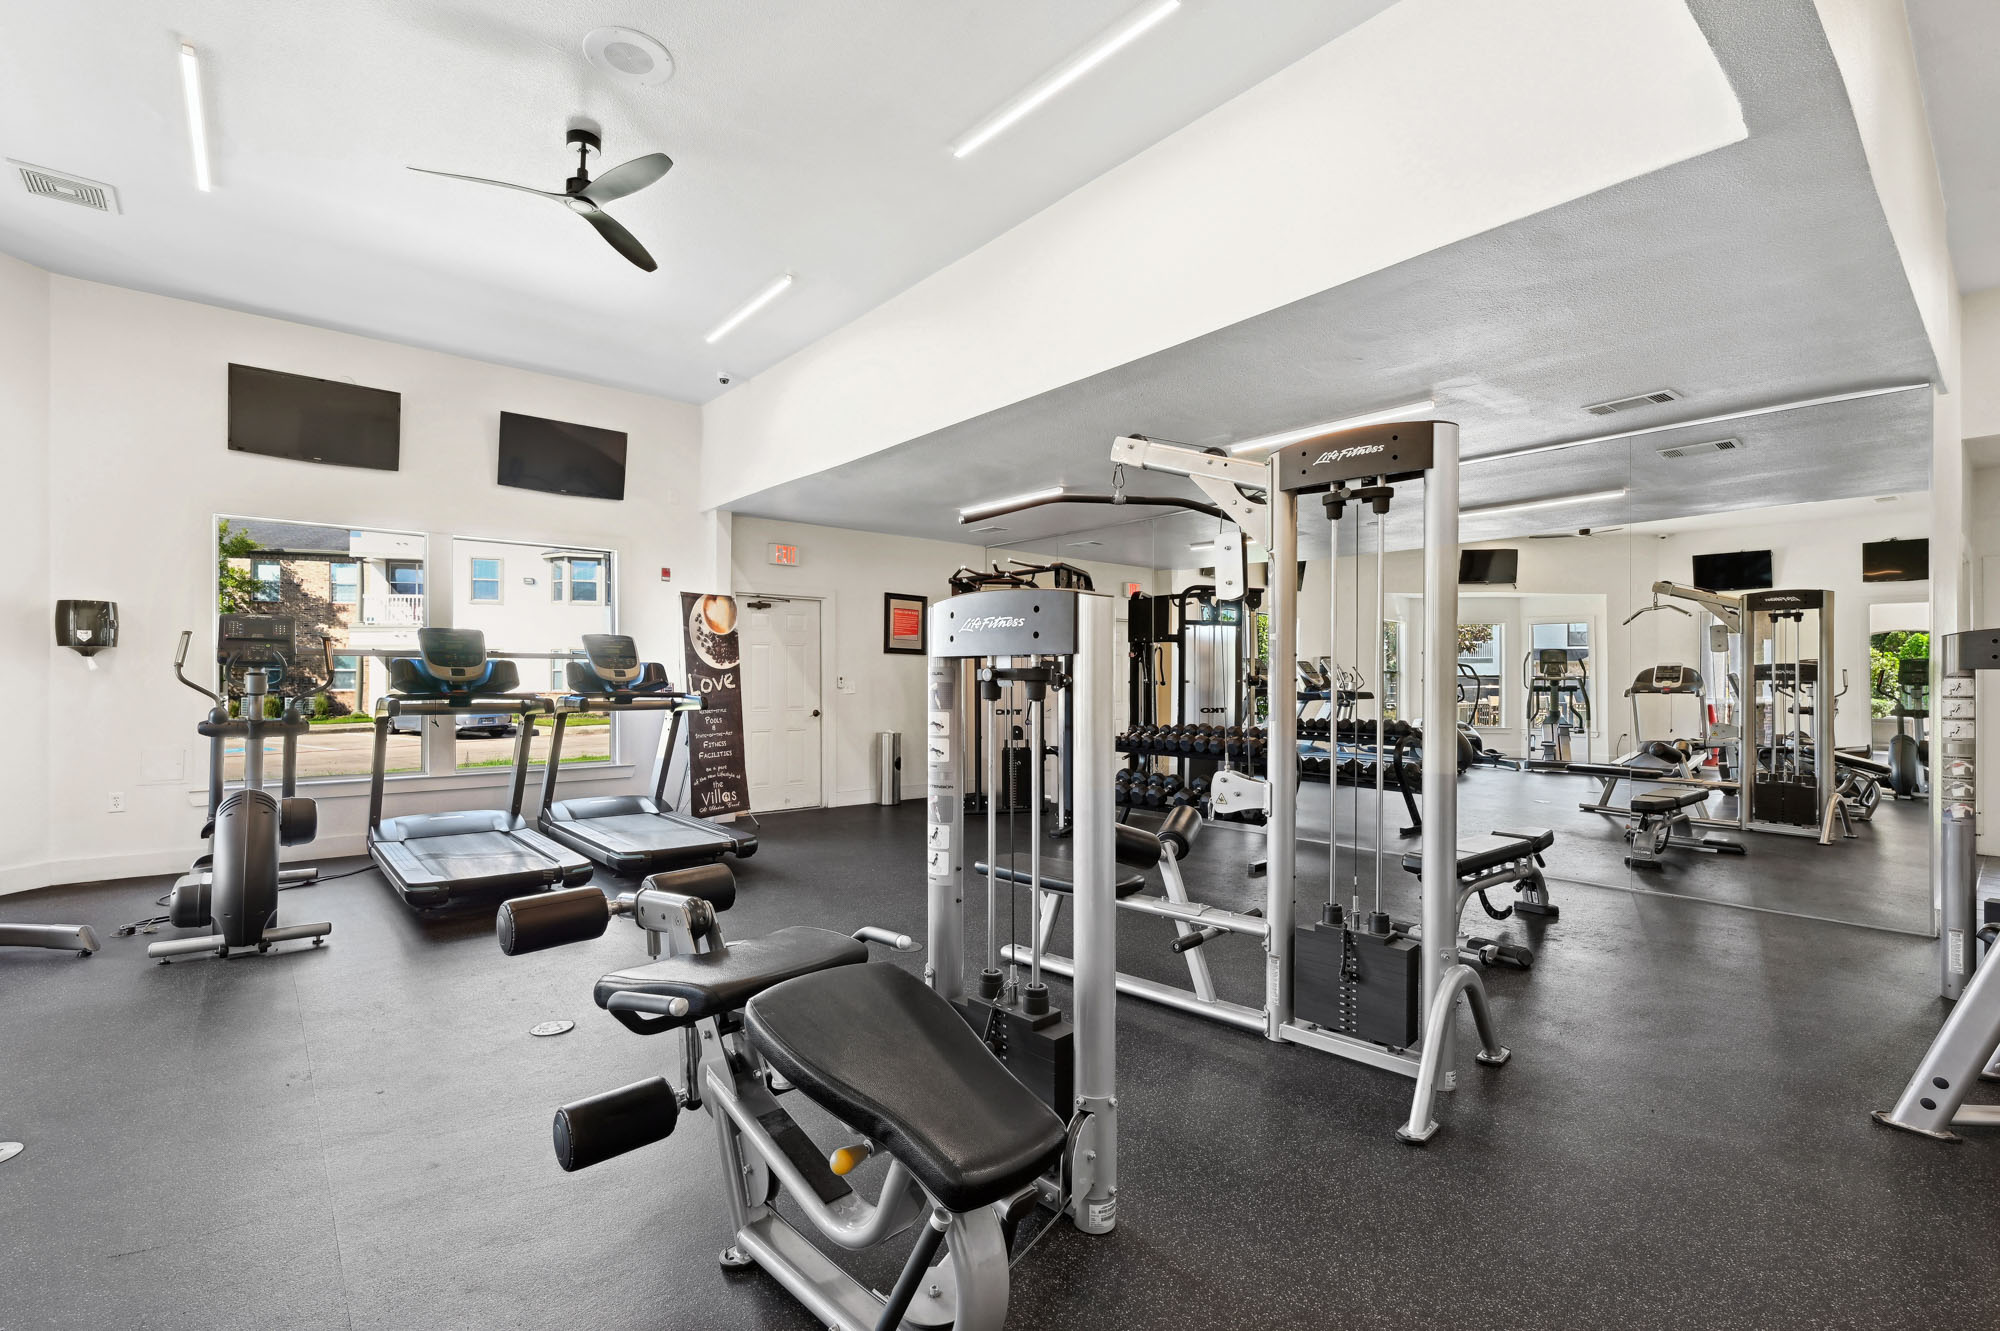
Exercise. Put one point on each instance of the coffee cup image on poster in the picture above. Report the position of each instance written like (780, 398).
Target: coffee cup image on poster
(718, 783)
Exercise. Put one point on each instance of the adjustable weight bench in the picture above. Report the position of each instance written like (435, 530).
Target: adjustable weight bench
(1665, 823)
(1498, 859)
(800, 1009)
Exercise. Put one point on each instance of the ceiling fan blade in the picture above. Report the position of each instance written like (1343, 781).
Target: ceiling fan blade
(621, 240)
(482, 180)
(628, 178)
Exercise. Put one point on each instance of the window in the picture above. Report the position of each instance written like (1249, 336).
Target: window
(486, 581)
(1549, 636)
(547, 636)
(580, 580)
(1479, 651)
(371, 601)
(346, 581)
(1392, 669)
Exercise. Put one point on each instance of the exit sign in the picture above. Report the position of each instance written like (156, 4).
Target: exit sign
(787, 555)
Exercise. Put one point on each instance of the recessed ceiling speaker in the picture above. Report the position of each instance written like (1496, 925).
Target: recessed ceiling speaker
(629, 56)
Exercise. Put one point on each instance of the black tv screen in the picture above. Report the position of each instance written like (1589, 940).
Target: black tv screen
(1741, 571)
(1491, 567)
(293, 416)
(1895, 561)
(561, 458)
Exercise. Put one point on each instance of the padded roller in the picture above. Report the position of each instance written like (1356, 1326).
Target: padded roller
(529, 924)
(592, 1131)
(1136, 847)
(713, 883)
(1180, 829)
(298, 821)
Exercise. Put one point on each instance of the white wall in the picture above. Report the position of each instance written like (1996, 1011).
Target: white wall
(851, 571)
(1979, 398)
(137, 467)
(1433, 121)
(26, 605)
(1878, 63)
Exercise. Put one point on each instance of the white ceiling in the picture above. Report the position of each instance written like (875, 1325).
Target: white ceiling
(1958, 59)
(807, 135)
(1761, 273)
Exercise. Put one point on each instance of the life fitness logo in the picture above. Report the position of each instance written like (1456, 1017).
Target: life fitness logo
(981, 623)
(1341, 455)
(1782, 600)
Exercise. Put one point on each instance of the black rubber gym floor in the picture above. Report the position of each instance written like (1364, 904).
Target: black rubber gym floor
(359, 1136)
(1880, 877)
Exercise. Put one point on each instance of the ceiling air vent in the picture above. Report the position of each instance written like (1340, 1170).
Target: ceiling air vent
(1652, 399)
(1706, 446)
(70, 189)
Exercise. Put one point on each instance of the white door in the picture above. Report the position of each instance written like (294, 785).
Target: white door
(781, 717)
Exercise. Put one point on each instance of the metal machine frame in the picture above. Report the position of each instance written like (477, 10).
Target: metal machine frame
(1368, 455)
(990, 638)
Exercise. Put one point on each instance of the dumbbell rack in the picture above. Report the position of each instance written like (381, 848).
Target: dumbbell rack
(1196, 751)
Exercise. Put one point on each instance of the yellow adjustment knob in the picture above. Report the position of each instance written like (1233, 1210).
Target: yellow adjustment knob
(845, 1160)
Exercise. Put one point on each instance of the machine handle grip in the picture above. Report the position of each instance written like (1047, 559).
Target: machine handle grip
(651, 1005)
(869, 933)
(530, 924)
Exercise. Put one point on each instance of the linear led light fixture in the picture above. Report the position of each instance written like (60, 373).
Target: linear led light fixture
(1110, 43)
(1532, 449)
(1488, 510)
(778, 287)
(994, 505)
(197, 121)
(1408, 411)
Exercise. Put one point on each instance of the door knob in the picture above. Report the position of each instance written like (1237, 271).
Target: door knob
(815, 711)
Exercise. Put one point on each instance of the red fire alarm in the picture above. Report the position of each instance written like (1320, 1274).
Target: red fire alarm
(666, 575)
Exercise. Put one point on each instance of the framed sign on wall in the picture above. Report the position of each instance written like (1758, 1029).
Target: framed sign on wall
(903, 624)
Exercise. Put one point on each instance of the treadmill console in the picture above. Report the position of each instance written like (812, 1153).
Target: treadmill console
(255, 638)
(453, 655)
(613, 656)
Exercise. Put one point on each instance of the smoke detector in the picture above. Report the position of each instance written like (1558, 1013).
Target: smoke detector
(629, 56)
(1706, 446)
(66, 188)
(1652, 399)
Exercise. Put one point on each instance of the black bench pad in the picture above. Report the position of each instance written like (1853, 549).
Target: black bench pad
(1667, 801)
(717, 982)
(1060, 876)
(1861, 764)
(898, 1064)
(1479, 854)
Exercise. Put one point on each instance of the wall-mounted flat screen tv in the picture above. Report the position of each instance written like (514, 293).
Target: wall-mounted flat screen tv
(1739, 571)
(561, 458)
(293, 416)
(1497, 568)
(1895, 561)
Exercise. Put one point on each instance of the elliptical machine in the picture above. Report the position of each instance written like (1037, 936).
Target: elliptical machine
(1910, 753)
(233, 889)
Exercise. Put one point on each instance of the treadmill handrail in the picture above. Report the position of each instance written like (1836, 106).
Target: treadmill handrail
(628, 702)
(391, 704)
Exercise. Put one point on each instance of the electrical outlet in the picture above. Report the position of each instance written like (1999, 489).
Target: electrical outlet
(117, 801)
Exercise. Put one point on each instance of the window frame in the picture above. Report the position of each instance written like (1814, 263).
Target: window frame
(1498, 660)
(275, 583)
(353, 673)
(499, 580)
(333, 584)
(596, 584)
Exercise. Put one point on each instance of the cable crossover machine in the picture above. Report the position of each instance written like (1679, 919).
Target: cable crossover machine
(1352, 984)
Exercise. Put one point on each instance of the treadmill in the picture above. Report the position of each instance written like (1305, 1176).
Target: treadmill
(434, 859)
(631, 834)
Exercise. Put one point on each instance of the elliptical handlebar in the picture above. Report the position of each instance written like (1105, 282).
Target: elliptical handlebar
(180, 659)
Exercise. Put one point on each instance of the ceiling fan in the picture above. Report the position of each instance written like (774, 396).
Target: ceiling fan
(586, 197)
